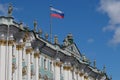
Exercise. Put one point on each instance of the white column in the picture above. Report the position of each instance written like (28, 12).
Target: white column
(39, 65)
(2, 60)
(6, 59)
(18, 72)
(36, 56)
(81, 74)
(70, 74)
(20, 47)
(65, 73)
(85, 77)
(32, 65)
(28, 67)
(13, 68)
(10, 60)
(14, 56)
(24, 60)
(57, 70)
(28, 51)
(82, 77)
(24, 53)
(79, 77)
(75, 75)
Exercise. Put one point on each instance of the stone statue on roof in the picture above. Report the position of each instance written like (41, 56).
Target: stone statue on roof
(10, 9)
(35, 25)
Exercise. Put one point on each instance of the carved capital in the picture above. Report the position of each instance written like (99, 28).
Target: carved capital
(10, 42)
(19, 47)
(86, 77)
(29, 50)
(67, 67)
(76, 72)
(36, 55)
(3, 42)
(81, 74)
(57, 64)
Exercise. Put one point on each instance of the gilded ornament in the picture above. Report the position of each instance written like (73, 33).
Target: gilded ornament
(29, 50)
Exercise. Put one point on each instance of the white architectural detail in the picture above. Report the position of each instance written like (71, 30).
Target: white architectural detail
(24, 55)
(36, 55)
(28, 66)
(16, 71)
(57, 65)
(2, 61)
(10, 61)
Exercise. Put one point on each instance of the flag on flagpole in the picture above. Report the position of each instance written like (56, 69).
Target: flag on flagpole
(56, 13)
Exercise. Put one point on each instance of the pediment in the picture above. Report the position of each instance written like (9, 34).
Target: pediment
(73, 49)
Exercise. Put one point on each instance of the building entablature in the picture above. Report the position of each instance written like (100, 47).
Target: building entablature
(6, 20)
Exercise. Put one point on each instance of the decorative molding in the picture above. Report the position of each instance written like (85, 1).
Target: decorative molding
(36, 55)
(24, 70)
(76, 72)
(29, 50)
(3, 42)
(81, 74)
(13, 67)
(11, 42)
(57, 64)
(19, 47)
(86, 77)
(67, 67)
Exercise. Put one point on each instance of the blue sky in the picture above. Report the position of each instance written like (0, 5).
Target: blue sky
(95, 25)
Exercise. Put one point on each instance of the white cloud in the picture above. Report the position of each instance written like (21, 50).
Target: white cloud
(109, 27)
(116, 37)
(90, 40)
(3, 9)
(112, 9)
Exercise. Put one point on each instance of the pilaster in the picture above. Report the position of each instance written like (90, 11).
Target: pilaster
(85, 77)
(77, 74)
(67, 71)
(2, 59)
(57, 65)
(28, 53)
(10, 48)
(36, 56)
(19, 48)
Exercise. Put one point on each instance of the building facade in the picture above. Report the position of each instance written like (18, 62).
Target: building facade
(26, 55)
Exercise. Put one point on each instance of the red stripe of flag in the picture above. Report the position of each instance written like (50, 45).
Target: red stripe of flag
(57, 15)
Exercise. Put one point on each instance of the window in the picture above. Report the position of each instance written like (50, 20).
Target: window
(50, 66)
(44, 63)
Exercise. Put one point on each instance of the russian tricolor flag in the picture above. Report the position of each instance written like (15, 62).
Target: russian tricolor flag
(56, 13)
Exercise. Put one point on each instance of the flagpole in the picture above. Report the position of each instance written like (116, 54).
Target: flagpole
(50, 26)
